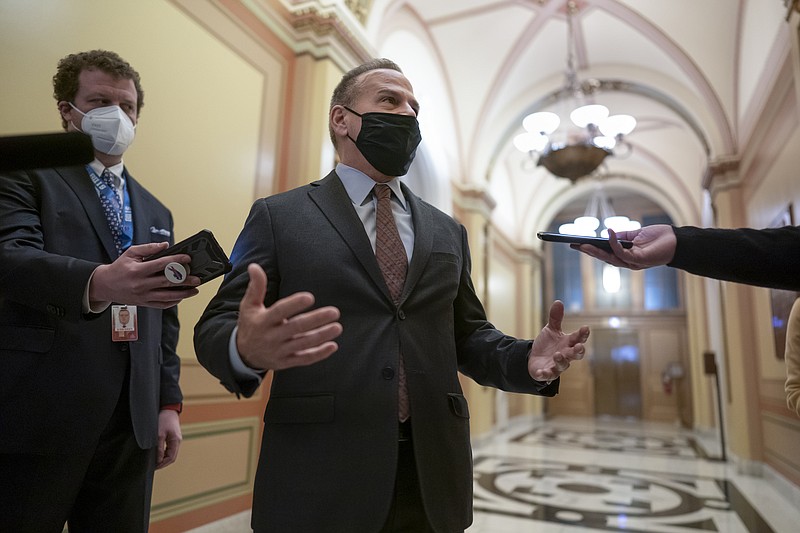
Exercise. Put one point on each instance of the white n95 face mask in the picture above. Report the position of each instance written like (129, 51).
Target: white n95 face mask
(111, 130)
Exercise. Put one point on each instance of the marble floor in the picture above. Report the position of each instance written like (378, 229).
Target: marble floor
(570, 475)
(587, 475)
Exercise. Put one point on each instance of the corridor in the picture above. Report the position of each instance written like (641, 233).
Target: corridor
(572, 475)
(583, 475)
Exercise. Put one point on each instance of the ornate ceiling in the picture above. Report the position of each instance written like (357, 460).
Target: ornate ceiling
(692, 72)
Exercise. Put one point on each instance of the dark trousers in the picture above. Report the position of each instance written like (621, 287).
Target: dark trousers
(407, 514)
(106, 488)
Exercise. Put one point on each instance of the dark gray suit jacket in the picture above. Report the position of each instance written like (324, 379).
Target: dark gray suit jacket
(61, 373)
(329, 450)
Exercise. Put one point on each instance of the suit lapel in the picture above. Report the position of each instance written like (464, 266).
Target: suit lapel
(423, 239)
(79, 181)
(331, 197)
(141, 229)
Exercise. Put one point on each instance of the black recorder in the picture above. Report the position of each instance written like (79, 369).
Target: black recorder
(208, 258)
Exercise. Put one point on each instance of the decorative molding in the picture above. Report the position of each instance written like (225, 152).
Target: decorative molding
(473, 198)
(520, 254)
(791, 6)
(199, 385)
(722, 173)
(360, 8)
(243, 432)
(324, 31)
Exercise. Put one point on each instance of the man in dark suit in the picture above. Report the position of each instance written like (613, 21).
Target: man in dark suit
(86, 415)
(365, 326)
(763, 257)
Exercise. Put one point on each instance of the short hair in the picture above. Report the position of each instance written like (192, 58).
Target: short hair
(349, 88)
(66, 79)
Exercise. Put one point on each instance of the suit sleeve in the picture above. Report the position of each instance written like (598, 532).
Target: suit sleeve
(486, 354)
(170, 391)
(766, 257)
(213, 331)
(25, 263)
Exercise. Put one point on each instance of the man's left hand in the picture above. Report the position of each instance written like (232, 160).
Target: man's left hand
(553, 350)
(169, 437)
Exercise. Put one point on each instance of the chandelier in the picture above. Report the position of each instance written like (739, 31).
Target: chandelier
(574, 151)
(598, 210)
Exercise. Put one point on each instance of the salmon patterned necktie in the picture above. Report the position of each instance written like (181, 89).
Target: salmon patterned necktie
(393, 262)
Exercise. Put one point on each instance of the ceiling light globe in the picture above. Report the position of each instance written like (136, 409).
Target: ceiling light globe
(617, 125)
(589, 114)
(590, 223)
(530, 142)
(573, 229)
(543, 122)
(617, 223)
(605, 142)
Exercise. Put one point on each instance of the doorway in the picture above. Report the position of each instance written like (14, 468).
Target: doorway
(617, 381)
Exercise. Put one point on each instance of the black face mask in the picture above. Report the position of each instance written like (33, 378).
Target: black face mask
(388, 141)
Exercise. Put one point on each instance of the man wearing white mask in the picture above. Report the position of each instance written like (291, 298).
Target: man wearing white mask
(86, 414)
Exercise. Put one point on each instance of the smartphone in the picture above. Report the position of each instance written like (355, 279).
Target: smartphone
(208, 258)
(600, 242)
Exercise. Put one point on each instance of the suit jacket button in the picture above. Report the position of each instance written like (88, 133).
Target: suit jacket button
(387, 373)
(401, 315)
(123, 346)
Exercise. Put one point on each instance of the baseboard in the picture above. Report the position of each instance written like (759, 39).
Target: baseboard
(785, 487)
(238, 523)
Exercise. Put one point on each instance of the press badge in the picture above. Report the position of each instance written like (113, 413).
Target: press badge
(124, 323)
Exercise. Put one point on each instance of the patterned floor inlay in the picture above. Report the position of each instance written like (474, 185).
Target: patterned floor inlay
(615, 441)
(610, 499)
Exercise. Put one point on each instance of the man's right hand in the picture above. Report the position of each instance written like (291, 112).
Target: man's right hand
(283, 335)
(133, 281)
(652, 246)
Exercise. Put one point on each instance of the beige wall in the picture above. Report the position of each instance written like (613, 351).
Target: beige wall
(761, 428)
(196, 145)
(206, 141)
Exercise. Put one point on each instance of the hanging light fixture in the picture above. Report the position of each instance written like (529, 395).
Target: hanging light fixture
(598, 210)
(574, 152)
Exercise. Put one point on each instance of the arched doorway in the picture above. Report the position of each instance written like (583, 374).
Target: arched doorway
(638, 352)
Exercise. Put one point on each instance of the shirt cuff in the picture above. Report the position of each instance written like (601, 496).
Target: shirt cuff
(99, 307)
(241, 371)
(173, 407)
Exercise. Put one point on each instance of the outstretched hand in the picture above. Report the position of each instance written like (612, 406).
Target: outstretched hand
(285, 334)
(652, 246)
(553, 350)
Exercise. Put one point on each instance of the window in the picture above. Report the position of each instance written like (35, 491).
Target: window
(660, 283)
(567, 280)
(653, 289)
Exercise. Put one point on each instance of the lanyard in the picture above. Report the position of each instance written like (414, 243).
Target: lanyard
(111, 195)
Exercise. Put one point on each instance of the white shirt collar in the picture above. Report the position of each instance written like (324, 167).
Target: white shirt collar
(359, 186)
(117, 170)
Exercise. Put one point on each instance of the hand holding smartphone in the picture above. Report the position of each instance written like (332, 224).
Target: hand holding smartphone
(208, 258)
(601, 242)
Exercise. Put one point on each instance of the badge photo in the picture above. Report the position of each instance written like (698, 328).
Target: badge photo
(124, 323)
